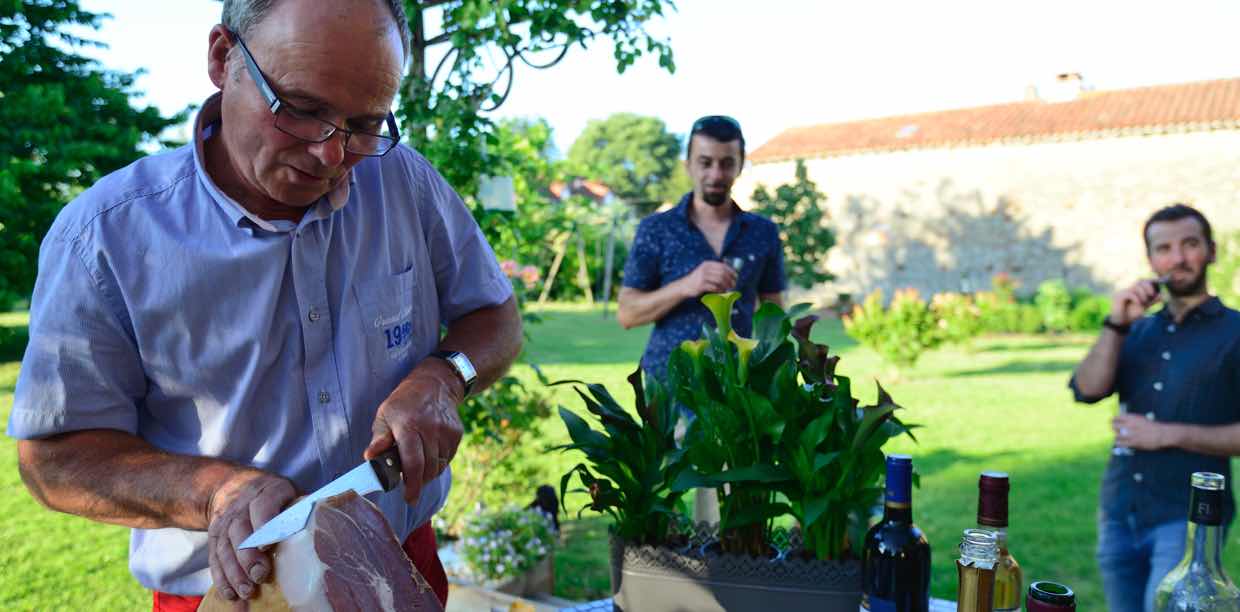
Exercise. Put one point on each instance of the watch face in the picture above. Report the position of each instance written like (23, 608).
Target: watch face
(465, 366)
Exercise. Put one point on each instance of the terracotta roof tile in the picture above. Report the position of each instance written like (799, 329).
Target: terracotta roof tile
(1182, 106)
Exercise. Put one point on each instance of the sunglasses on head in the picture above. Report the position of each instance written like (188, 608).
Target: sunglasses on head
(710, 120)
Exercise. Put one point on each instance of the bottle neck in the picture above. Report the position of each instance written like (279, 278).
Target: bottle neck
(1205, 547)
(898, 512)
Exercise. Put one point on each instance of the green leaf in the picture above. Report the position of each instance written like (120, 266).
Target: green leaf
(752, 515)
(580, 431)
(822, 460)
(814, 510)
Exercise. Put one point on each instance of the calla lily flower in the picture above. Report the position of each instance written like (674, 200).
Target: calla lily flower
(744, 347)
(720, 305)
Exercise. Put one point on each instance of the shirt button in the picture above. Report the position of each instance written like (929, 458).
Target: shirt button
(324, 397)
(1138, 477)
(1171, 328)
(314, 315)
(1166, 355)
(1149, 415)
(1158, 386)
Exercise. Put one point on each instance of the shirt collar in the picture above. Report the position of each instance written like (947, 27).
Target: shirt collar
(1210, 308)
(206, 125)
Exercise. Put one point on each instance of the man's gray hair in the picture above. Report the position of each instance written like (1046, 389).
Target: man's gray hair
(242, 15)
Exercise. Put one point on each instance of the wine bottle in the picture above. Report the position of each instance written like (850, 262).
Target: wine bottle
(896, 563)
(992, 513)
(975, 569)
(1198, 583)
(1047, 596)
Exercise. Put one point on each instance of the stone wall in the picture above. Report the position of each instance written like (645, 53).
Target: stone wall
(949, 219)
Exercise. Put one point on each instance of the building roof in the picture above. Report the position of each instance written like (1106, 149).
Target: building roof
(595, 190)
(1204, 105)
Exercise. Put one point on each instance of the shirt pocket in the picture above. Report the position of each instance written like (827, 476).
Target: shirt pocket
(390, 327)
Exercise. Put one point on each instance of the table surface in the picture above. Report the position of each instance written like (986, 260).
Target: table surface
(604, 605)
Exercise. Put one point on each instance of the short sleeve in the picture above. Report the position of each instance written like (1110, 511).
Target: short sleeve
(81, 369)
(467, 275)
(641, 269)
(773, 280)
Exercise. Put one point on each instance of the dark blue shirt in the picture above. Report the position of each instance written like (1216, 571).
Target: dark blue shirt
(669, 246)
(1185, 373)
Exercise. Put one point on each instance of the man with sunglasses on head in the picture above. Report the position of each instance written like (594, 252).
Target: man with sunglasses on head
(706, 244)
(220, 328)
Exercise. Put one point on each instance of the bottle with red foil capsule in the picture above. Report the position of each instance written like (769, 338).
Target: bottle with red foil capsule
(992, 514)
(1047, 596)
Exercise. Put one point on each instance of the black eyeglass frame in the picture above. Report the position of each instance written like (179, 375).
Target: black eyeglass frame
(275, 105)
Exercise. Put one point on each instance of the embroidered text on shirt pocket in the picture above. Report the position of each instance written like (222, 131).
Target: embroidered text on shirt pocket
(387, 318)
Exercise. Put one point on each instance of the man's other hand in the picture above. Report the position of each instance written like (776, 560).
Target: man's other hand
(420, 417)
(245, 502)
(708, 277)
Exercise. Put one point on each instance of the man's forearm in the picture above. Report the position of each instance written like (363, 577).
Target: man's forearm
(1220, 440)
(1095, 376)
(637, 307)
(115, 477)
(490, 337)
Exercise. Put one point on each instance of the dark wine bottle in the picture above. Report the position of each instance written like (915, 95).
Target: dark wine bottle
(896, 565)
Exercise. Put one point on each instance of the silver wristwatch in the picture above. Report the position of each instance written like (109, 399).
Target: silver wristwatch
(461, 364)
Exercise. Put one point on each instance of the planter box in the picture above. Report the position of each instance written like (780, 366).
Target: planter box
(650, 579)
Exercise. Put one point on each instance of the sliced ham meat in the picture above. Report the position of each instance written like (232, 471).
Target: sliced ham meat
(347, 558)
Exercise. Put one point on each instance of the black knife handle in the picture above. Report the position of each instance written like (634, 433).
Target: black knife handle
(387, 468)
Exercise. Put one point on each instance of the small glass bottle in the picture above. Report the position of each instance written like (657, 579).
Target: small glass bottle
(1047, 596)
(992, 513)
(1198, 583)
(979, 551)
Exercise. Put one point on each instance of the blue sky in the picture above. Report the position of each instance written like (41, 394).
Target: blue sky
(775, 64)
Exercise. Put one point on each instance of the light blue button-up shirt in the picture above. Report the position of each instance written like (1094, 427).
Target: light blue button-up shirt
(162, 308)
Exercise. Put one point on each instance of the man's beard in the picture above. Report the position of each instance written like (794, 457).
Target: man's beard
(1196, 286)
(716, 199)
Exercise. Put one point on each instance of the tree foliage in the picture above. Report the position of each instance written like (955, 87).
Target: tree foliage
(633, 155)
(798, 209)
(64, 123)
(477, 47)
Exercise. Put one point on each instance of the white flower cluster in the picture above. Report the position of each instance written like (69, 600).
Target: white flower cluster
(503, 544)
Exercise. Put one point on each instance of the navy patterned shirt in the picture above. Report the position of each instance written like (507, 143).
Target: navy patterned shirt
(669, 246)
(1176, 373)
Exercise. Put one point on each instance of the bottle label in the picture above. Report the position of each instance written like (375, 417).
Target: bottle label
(878, 604)
(1207, 507)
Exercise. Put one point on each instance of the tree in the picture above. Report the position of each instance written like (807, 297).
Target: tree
(479, 46)
(64, 123)
(798, 209)
(633, 155)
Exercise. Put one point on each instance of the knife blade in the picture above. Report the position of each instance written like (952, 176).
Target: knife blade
(379, 474)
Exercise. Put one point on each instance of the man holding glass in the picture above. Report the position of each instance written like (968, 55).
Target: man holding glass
(219, 328)
(706, 244)
(1177, 373)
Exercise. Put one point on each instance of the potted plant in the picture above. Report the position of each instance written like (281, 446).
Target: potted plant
(777, 434)
(510, 550)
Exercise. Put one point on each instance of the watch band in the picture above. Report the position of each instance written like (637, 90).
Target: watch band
(1115, 327)
(463, 367)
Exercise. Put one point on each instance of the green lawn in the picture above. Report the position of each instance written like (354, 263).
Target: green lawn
(1003, 406)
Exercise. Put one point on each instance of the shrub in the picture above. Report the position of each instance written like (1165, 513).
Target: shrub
(1054, 303)
(1088, 311)
(959, 319)
(899, 333)
(496, 464)
(1224, 275)
(506, 543)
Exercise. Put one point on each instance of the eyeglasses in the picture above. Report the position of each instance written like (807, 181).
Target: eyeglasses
(712, 121)
(305, 126)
